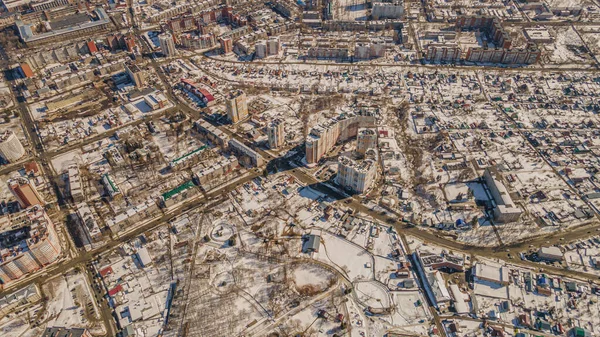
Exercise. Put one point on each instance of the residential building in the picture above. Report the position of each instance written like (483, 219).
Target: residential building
(505, 210)
(366, 139)
(216, 174)
(74, 187)
(19, 299)
(86, 220)
(29, 242)
(167, 44)
(66, 332)
(226, 45)
(273, 46)
(260, 49)
(275, 132)
(356, 176)
(25, 193)
(236, 105)
(387, 9)
(324, 136)
(136, 75)
(11, 148)
(246, 156)
(212, 133)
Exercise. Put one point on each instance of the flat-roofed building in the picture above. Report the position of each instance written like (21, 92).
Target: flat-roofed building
(137, 75)
(366, 139)
(324, 136)
(236, 105)
(74, 25)
(11, 148)
(25, 193)
(246, 155)
(28, 243)
(275, 132)
(356, 176)
(487, 273)
(505, 210)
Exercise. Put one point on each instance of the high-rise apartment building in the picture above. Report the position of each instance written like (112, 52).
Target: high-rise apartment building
(260, 49)
(275, 131)
(356, 176)
(273, 46)
(366, 139)
(11, 148)
(137, 75)
(25, 192)
(324, 136)
(236, 105)
(29, 242)
(226, 45)
(167, 45)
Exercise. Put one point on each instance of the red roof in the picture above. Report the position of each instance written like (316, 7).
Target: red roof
(31, 167)
(115, 290)
(106, 271)
(27, 70)
(206, 94)
(92, 47)
(186, 81)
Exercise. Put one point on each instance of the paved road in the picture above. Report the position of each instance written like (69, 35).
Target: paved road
(501, 252)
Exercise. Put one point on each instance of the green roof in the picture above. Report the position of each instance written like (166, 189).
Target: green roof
(111, 183)
(198, 150)
(185, 186)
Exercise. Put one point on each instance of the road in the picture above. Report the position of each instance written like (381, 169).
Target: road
(283, 164)
(501, 252)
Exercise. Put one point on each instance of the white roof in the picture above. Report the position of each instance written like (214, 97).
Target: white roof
(497, 274)
(144, 256)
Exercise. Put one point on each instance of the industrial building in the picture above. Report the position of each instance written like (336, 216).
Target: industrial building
(552, 254)
(65, 28)
(487, 273)
(11, 148)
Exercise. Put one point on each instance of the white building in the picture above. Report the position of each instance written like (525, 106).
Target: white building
(552, 254)
(366, 139)
(356, 176)
(260, 49)
(387, 10)
(506, 210)
(486, 273)
(273, 46)
(275, 131)
(11, 148)
(167, 45)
